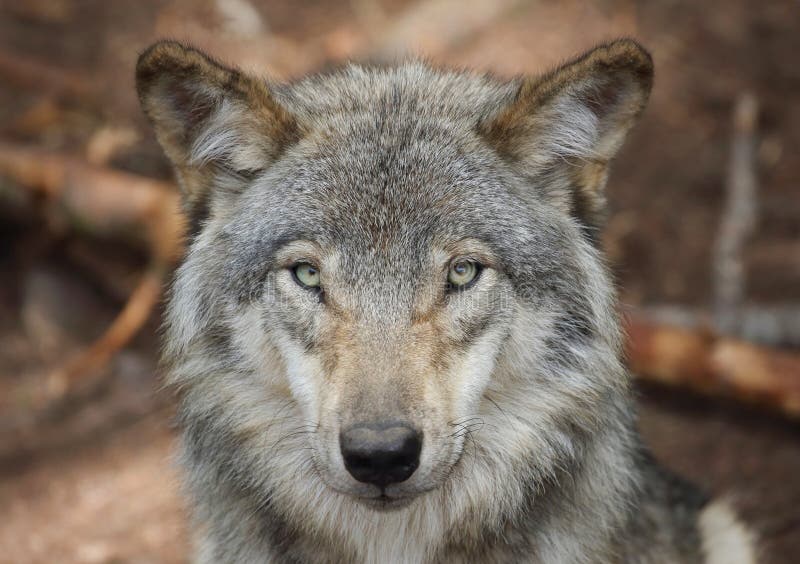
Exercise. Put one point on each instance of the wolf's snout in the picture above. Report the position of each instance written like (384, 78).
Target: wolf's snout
(381, 453)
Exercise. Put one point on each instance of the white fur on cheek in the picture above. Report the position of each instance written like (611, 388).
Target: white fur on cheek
(472, 375)
(298, 367)
(300, 370)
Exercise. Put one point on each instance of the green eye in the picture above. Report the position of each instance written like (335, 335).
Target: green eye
(462, 273)
(307, 275)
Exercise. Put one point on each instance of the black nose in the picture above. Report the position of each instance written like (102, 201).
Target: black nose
(381, 453)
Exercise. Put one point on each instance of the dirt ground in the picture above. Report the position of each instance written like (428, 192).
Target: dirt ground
(91, 479)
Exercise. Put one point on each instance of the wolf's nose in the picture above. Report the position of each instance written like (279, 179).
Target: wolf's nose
(381, 453)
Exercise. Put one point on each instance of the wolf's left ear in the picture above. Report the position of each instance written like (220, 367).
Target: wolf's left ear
(563, 128)
(209, 118)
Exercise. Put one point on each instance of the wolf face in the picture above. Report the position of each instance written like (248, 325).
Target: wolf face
(379, 259)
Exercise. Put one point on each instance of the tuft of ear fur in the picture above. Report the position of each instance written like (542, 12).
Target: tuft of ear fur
(566, 125)
(209, 119)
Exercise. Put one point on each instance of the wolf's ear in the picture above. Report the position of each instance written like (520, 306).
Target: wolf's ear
(565, 126)
(209, 118)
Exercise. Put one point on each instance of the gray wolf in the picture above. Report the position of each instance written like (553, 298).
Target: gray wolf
(393, 337)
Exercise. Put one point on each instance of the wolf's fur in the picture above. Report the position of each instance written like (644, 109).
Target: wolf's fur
(380, 177)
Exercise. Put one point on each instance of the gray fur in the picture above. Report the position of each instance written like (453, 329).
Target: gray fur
(532, 455)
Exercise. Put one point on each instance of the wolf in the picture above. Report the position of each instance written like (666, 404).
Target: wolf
(393, 337)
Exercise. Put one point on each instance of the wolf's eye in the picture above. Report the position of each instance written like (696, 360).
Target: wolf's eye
(462, 273)
(307, 275)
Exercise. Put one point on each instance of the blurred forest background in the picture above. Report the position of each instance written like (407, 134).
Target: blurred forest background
(703, 236)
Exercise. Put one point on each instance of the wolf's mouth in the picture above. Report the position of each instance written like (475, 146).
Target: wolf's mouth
(384, 502)
(380, 502)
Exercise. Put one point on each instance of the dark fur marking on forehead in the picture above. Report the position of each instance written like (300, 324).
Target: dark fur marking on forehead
(410, 85)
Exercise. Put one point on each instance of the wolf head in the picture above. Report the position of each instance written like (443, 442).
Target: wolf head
(392, 284)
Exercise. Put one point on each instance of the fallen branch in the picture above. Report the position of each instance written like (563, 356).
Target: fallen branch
(102, 201)
(773, 325)
(713, 365)
(122, 330)
(106, 203)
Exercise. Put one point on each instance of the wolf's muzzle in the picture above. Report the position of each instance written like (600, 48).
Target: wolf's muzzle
(381, 453)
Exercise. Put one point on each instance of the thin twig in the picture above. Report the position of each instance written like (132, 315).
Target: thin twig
(738, 218)
(122, 330)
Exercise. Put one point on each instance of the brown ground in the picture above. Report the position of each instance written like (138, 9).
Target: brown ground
(90, 479)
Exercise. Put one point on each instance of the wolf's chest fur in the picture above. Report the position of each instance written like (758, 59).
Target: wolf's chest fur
(393, 336)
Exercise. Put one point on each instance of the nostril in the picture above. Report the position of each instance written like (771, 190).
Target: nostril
(381, 453)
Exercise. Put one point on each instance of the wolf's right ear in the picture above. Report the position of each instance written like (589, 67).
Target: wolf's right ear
(209, 118)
